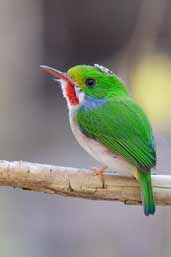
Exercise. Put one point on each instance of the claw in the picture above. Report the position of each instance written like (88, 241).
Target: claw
(99, 171)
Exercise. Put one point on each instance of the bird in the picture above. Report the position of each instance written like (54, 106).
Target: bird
(109, 124)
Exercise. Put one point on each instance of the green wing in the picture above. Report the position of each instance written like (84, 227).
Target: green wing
(122, 126)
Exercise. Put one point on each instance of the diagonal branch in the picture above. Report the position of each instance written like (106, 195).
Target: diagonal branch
(80, 182)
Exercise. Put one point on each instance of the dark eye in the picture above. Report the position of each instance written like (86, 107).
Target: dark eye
(90, 82)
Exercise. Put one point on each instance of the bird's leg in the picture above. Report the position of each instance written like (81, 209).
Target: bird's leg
(100, 170)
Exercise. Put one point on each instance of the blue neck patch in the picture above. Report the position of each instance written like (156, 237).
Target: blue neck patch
(92, 103)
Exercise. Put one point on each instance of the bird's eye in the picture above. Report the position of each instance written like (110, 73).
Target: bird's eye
(90, 82)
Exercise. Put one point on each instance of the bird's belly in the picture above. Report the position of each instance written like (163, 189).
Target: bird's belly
(100, 152)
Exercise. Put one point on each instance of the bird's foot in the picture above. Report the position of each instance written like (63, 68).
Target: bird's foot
(99, 171)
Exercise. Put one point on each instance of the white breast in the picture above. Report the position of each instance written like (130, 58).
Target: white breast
(98, 151)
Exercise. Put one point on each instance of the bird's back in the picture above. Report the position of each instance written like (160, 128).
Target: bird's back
(120, 125)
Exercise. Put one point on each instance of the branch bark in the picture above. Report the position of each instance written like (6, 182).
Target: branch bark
(80, 182)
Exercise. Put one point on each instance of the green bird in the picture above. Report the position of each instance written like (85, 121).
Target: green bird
(109, 124)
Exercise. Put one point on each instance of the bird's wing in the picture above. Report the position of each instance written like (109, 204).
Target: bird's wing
(122, 126)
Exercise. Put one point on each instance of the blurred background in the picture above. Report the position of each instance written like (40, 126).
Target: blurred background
(132, 38)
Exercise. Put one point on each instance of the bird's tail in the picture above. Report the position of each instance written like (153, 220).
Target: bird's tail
(146, 191)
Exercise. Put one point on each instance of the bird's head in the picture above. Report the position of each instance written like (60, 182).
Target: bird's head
(95, 81)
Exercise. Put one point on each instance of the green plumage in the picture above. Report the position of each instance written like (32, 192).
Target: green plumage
(121, 125)
(147, 192)
(117, 123)
(106, 113)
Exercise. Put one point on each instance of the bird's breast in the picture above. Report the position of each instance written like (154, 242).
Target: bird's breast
(97, 150)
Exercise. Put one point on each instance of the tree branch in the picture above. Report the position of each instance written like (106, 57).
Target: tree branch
(80, 182)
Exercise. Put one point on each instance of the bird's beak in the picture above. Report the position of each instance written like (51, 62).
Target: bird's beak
(56, 73)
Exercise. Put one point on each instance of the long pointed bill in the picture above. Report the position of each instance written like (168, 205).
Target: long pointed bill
(69, 91)
(57, 73)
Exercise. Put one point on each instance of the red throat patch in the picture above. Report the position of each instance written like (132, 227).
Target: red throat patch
(71, 95)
